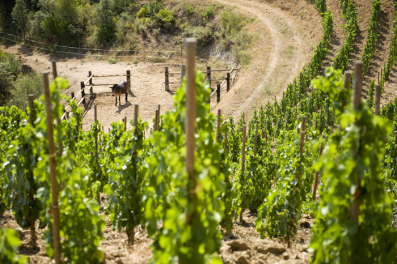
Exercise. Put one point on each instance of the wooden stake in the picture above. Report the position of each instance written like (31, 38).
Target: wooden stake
(90, 82)
(54, 69)
(128, 73)
(234, 149)
(125, 123)
(358, 82)
(158, 117)
(243, 164)
(51, 159)
(302, 142)
(191, 50)
(218, 125)
(348, 77)
(218, 92)
(243, 149)
(55, 75)
(136, 109)
(183, 72)
(31, 191)
(228, 81)
(31, 107)
(316, 178)
(256, 138)
(209, 75)
(225, 142)
(167, 81)
(377, 99)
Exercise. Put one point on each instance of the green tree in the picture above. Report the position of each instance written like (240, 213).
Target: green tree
(106, 23)
(20, 16)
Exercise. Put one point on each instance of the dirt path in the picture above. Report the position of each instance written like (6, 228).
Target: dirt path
(290, 40)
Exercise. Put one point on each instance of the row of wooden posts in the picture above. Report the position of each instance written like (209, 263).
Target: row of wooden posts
(209, 79)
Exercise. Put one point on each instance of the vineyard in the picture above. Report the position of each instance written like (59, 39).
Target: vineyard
(323, 157)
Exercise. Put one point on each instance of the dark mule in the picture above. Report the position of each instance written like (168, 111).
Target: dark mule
(119, 89)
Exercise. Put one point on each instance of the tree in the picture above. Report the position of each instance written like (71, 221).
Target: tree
(20, 16)
(6, 84)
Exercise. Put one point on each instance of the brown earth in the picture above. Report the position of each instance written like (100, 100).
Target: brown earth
(289, 37)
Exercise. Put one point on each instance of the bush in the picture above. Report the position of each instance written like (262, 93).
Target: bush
(165, 18)
(204, 35)
(112, 61)
(190, 10)
(135, 62)
(232, 23)
(242, 56)
(27, 84)
(6, 85)
(209, 12)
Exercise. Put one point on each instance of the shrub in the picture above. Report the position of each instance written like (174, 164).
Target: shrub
(135, 62)
(27, 84)
(204, 35)
(165, 18)
(6, 85)
(189, 9)
(208, 12)
(231, 22)
(112, 61)
(242, 56)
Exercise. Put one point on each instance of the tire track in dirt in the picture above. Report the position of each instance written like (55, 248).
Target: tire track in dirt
(269, 16)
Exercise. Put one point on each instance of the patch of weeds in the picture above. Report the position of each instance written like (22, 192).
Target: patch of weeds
(135, 62)
(112, 61)
(266, 90)
(252, 19)
(190, 10)
(128, 63)
(289, 51)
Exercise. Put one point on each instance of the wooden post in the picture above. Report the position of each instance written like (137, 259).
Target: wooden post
(348, 77)
(225, 142)
(82, 86)
(191, 49)
(234, 149)
(67, 114)
(51, 159)
(302, 142)
(378, 78)
(90, 82)
(125, 123)
(156, 116)
(54, 69)
(136, 109)
(128, 73)
(209, 75)
(228, 82)
(167, 82)
(243, 163)
(183, 72)
(316, 178)
(218, 125)
(256, 138)
(358, 82)
(377, 99)
(243, 149)
(55, 75)
(96, 148)
(31, 107)
(218, 92)
(31, 191)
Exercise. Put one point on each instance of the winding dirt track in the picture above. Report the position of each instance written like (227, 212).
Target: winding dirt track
(276, 22)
